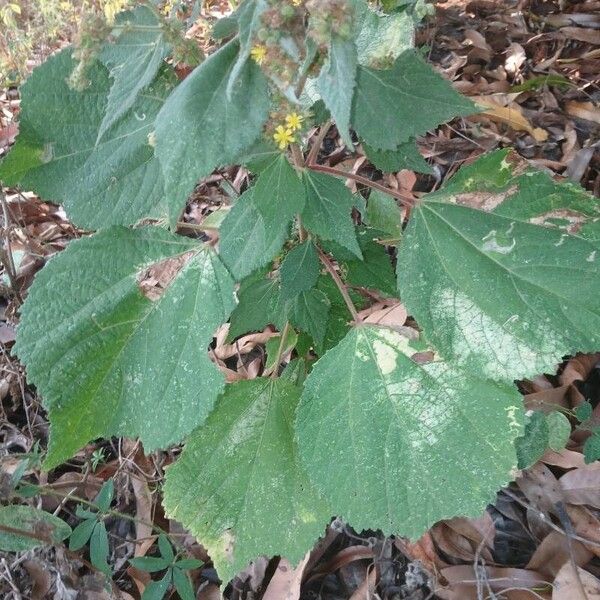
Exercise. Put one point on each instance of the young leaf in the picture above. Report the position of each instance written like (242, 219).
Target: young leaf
(260, 304)
(238, 486)
(397, 104)
(50, 529)
(591, 447)
(384, 214)
(534, 441)
(336, 83)
(309, 311)
(248, 21)
(133, 60)
(109, 359)
(150, 564)
(327, 211)
(559, 430)
(247, 241)
(156, 590)
(166, 550)
(379, 38)
(375, 269)
(425, 427)
(406, 156)
(299, 270)
(183, 585)
(115, 180)
(498, 295)
(99, 548)
(199, 128)
(105, 496)
(278, 193)
(82, 533)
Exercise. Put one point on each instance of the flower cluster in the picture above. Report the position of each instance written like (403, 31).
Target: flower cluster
(284, 134)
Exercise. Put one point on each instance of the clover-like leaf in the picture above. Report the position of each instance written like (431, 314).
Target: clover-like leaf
(238, 485)
(399, 432)
(115, 180)
(115, 332)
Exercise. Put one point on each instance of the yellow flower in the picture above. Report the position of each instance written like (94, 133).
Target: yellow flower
(258, 54)
(294, 121)
(296, 2)
(283, 137)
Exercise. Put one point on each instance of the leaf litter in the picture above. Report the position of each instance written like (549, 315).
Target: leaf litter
(534, 65)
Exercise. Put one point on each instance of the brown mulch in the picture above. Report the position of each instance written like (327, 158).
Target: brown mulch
(535, 65)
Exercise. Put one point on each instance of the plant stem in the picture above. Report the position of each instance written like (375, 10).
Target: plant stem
(407, 200)
(311, 159)
(284, 335)
(6, 253)
(196, 226)
(339, 283)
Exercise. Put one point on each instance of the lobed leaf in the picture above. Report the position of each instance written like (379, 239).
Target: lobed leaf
(238, 485)
(400, 432)
(109, 359)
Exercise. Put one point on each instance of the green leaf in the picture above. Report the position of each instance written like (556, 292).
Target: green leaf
(336, 83)
(299, 270)
(188, 564)
(400, 432)
(534, 441)
(248, 21)
(133, 60)
(584, 411)
(150, 564)
(115, 180)
(49, 528)
(272, 348)
(309, 312)
(392, 106)
(591, 447)
(166, 550)
(375, 270)
(99, 548)
(199, 128)
(498, 295)
(260, 304)
(110, 360)
(156, 590)
(247, 241)
(82, 533)
(278, 193)
(559, 430)
(105, 495)
(380, 39)
(238, 486)
(328, 208)
(183, 585)
(384, 214)
(224, 27)
(406, 156)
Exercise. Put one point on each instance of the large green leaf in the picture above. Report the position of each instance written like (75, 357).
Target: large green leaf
(110, 358)
(299, 270)
(200, 128)
(115, 180)
(502, 296)
(238, 485)
(327, 212)
(400, 432)
(336, 83)
(397, 104)
(406, 156)
(247, 240)
(133, 60)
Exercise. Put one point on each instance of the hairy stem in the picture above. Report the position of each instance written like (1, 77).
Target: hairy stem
(311, 159)
(284, 335)
(325, 260)
(407, 200)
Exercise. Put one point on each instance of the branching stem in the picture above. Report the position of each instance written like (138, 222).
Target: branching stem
(339, 283)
